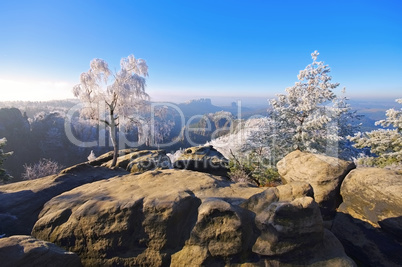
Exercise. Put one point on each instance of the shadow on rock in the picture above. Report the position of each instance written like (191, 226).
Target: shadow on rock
(367, 245)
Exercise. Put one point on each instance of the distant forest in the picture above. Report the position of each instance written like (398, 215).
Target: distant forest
(35, 130)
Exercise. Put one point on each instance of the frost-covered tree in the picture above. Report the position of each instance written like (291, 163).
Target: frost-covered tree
(386, 144)
(306, 117)
(44, 167)
(394, 118)
(118, 94)
(346, 122)
(251, 147)
(248, 136)
(154, 127)
(163, 123)
(4, 176)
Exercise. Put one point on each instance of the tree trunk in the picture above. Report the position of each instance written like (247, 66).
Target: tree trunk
(113, 138)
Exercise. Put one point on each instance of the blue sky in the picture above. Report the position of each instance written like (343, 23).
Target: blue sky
(219, 49)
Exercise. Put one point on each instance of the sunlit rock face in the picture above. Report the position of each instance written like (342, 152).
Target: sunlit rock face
(21, 203)
(325, 174)
(186, 218)
(136, 161)
(369, 221)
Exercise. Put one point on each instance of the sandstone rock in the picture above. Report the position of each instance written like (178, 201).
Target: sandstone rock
(284, 193)
(27, 251)
(149, 160)
(219, 226)
(327, 253)
(107, 157)
(296, 240)
(287, 227)
(368, 245)
(184, 218)
(203, 159)
(141, 161)
(134, 219)
(372, 194)
(20, 203)
(325, 174)
(287, 217)
(369, 221)
(192, 255)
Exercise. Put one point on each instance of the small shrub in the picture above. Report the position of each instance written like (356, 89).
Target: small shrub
(239, 176)
(253, 168)
(44, 167)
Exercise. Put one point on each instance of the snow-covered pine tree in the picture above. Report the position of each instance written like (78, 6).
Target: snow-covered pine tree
(308, 116)
(347, 123)
(386, 144)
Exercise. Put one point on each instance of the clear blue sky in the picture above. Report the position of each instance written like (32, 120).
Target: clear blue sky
(205, 48)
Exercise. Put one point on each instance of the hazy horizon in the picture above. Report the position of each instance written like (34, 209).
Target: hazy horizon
(247, 102)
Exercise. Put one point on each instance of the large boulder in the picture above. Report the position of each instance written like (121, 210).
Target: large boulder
(286, 225)
(186, 218)
(369, 221)
(372, 195)
(134, 219)
(203, 159)
(325, 174)
(26, 251)
(20, 203)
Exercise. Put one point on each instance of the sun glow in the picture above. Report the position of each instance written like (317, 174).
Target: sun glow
(14, 90)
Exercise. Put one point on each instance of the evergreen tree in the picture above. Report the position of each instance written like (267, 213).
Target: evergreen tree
(385, 144)
(308, 117)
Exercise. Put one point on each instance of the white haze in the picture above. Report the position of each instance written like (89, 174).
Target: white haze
(31, 90)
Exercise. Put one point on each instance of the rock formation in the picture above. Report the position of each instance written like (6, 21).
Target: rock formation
(111, 217)
(186, 218)
(204, 159)
(137, 161)
(26, 251)
(325, 174)
(20, 203)
(369, 221)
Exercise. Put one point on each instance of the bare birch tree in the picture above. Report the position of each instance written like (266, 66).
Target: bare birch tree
(120, 93)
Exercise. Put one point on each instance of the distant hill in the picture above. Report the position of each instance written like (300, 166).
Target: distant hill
(31, 108)
(204, 106)
(190, 108)
(373, 110)
(198, 107)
